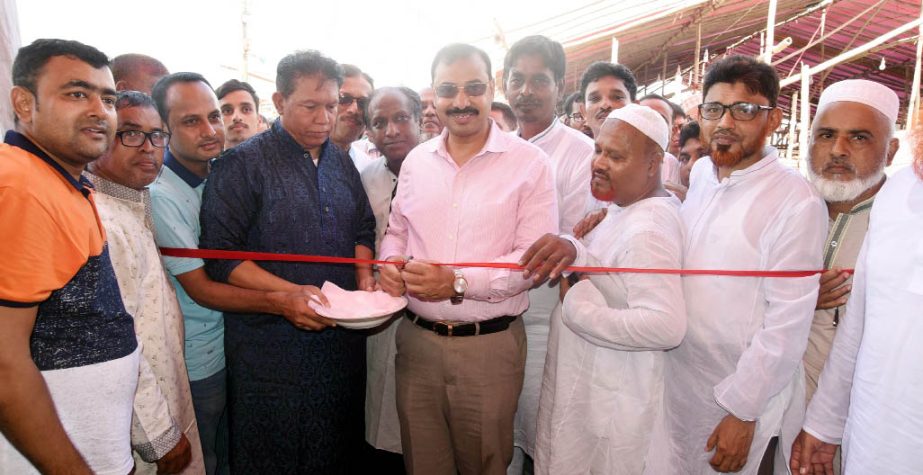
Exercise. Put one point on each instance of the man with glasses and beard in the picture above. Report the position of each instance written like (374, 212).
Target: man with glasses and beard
(474, 194)
(741, 359)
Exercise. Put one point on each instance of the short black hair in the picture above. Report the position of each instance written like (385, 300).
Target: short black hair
(32, 58)
(757, 76)
(664, 100)
(677, 110)
(416, 104)
(305, 63)
(159, 92)
(508, 116)
(601, 69)
(551, 52)
(455, 51)
(689, 131)
(570, 101)
(233, 85)
(126, 99)
(351, 71)
(124, 65)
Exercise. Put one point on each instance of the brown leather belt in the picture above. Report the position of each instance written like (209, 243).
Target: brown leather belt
(444, 328)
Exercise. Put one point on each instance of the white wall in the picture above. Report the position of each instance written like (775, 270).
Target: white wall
(9, 44)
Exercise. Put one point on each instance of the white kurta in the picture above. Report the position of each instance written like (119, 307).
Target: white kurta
(603, 386)
(163, 401)
(570, 153)
(870, 389)
(746, 335)
(382, 427)
(669, 170)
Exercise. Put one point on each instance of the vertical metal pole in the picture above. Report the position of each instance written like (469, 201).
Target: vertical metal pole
(664, 75)
(792, 125)
(694, 81)
(805, 115)
(770, 32)
(913, 107)
(615, 51)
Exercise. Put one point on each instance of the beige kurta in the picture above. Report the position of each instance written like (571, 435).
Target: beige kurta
(163, 402)
(382, 428)
(844, 239)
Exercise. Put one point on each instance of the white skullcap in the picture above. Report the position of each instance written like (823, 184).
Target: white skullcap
(646, 120)
(863, 91)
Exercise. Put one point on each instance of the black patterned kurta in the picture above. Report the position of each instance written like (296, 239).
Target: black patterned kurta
(295, 397)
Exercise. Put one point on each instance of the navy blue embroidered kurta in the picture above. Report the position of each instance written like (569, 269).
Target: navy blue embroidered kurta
(295, 397)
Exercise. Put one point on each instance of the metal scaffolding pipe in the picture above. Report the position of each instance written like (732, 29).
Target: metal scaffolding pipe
(847, 55)
(805, 129)
(913, 105)
(770, 32)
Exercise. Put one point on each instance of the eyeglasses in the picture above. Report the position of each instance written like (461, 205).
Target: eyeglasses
(136, 138)
(576, 116)
(739, 110)
(346, 100)
(449, 90)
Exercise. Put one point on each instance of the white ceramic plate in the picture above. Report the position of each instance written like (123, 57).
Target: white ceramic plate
(357, 309)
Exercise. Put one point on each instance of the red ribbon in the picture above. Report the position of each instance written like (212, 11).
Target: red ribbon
(270, 256)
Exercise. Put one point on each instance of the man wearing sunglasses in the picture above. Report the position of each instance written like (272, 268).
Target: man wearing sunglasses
(473, 194)
(350, 122)
(166, 437)
(741, 359)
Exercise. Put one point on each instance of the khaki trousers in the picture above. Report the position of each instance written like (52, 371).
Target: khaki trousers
(456, 399)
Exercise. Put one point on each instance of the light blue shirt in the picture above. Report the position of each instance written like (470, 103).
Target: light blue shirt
(176, 197)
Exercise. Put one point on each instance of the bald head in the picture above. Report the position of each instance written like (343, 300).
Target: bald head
(136, 72)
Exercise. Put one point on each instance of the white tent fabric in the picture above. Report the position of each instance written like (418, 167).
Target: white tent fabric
(9, 44)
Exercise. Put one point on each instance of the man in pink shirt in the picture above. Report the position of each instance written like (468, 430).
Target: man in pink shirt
(471, 194)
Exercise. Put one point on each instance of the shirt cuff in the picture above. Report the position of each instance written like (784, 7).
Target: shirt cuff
(820, 436)
(159, 447)
(727, 407)
(581, 259)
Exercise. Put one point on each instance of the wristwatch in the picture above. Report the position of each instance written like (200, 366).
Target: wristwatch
(460, 286)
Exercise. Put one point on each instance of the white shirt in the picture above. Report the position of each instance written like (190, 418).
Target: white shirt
(362, 153)
(669, 171)
(746, 335)
(603, 384)
(571, 155)
(869, 393)
(382, 427)
(163, 401)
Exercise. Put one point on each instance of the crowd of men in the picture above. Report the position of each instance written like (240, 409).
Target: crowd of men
(116, 359)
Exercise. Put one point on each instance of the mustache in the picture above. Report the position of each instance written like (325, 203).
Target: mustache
(466, 110)
(100, 124)
(724, 133)
(527, 101)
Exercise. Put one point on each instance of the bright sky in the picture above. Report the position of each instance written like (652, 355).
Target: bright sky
(394, 41)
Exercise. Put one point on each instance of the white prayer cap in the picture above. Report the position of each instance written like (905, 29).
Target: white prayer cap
(646, 120)
(863, 91)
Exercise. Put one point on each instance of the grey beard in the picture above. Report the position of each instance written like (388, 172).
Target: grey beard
(836, 191)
